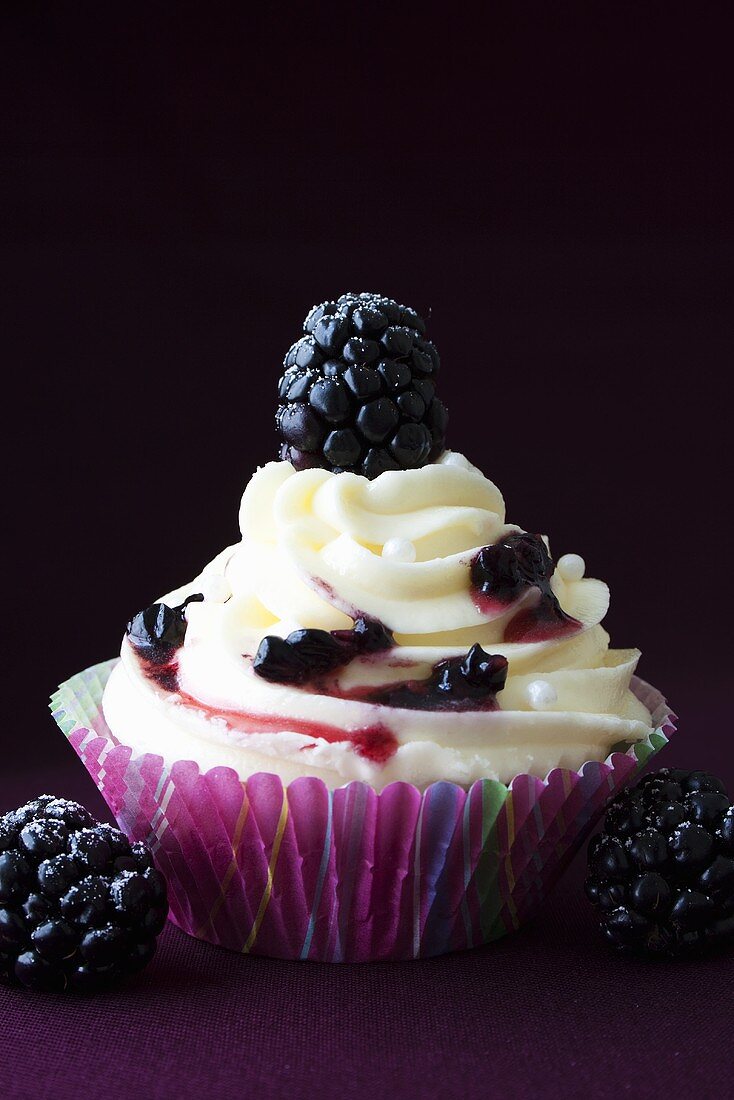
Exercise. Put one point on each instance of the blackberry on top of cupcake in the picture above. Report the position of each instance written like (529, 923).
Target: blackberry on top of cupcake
(359, 393)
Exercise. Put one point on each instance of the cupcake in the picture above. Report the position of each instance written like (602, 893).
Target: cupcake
(379, 725)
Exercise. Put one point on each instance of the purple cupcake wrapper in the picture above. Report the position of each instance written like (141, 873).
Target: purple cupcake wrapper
(350, 875)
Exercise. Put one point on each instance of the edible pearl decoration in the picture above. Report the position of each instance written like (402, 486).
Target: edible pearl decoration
(571, 567)
(399, 550)
(541, 694)
(215, 588)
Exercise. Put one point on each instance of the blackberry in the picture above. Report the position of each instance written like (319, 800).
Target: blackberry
(358, 391)
(661, 873)
(80, 906)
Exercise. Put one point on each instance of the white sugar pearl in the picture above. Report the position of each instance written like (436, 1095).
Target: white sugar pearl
(571, 567)
(399, 550)
(541, 694)
(215, 588)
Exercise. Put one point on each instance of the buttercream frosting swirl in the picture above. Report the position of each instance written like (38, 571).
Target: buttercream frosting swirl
(318, 550)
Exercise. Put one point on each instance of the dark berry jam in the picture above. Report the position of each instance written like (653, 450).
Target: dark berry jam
(156, 634)
(504, 572)
(165, 676)
(306, 658)
(464, 683)
(376, 743)
(306, 655)
(158, 631)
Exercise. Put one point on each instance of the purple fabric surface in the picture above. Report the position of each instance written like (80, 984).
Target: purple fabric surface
(546, 1011)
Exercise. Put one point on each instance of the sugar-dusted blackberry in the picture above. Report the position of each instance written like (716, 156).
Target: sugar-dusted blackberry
(80, 906)
(661, 873)
(358, 390)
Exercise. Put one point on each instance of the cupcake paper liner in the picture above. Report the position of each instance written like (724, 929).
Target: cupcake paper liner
(349, 875)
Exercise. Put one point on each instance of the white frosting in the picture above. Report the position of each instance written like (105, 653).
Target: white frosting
(318, 549)
(215, 588)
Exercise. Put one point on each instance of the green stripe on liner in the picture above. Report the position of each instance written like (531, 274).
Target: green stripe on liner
(643, 750)
(497, 930)
(80, 697)
(486, 874)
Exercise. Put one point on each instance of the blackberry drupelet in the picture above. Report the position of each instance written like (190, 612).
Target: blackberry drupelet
(662, 871)
(80, 907)
(358, 392)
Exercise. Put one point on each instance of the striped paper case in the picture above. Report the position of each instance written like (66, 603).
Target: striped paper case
(350, 875)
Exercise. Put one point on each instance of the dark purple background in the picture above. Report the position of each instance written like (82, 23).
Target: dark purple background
(178, 190)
